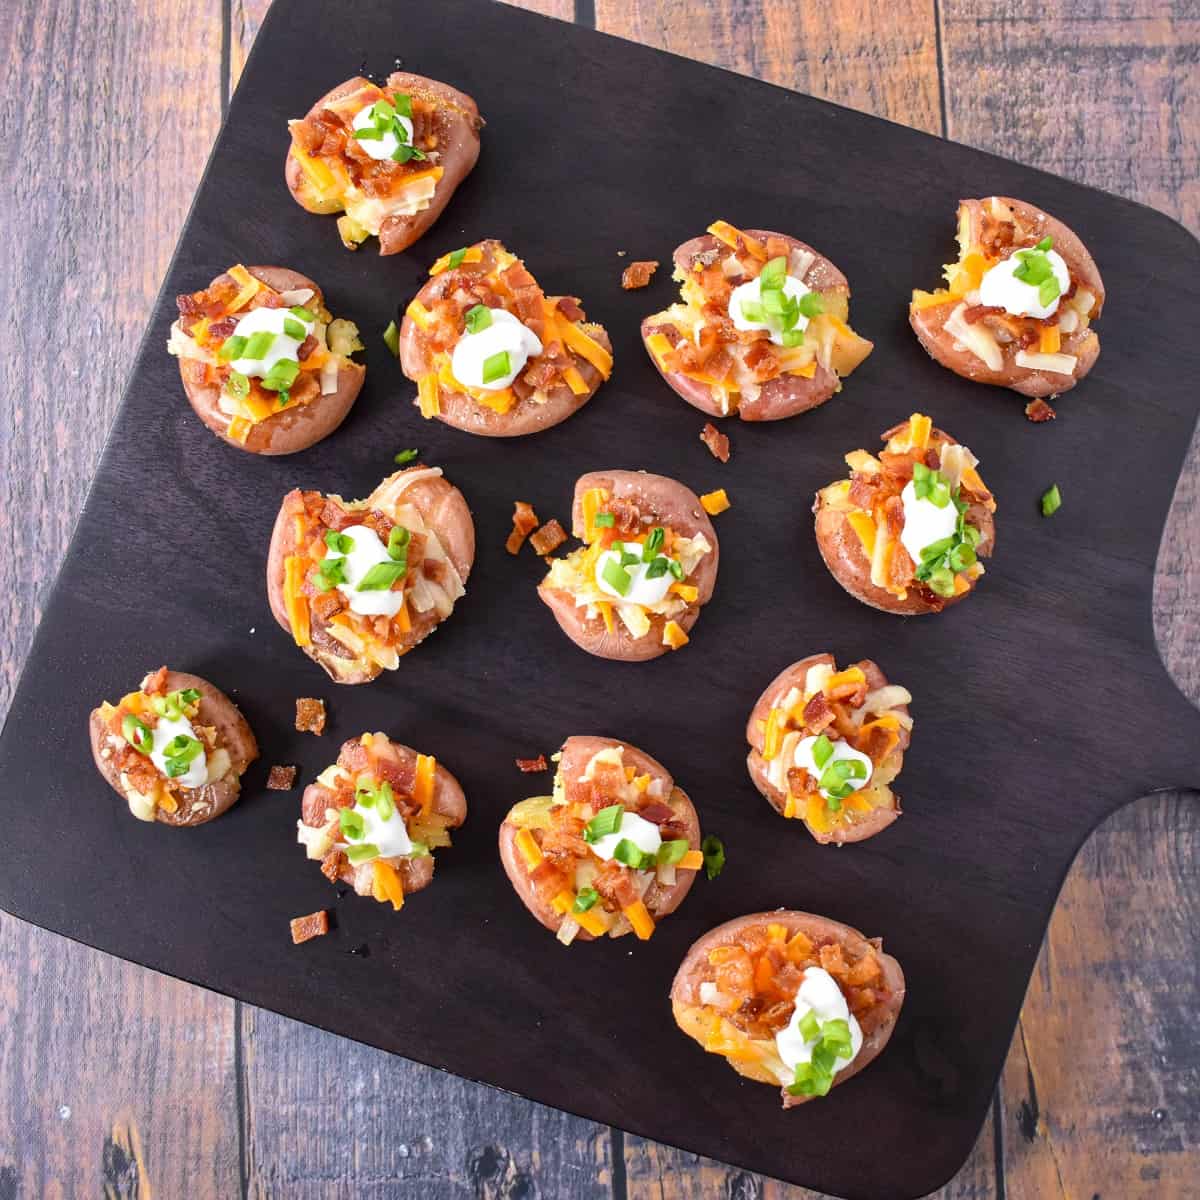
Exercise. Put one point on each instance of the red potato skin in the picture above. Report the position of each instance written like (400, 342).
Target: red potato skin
(929, 323)
(448, 801)
(458, 146)
(577, 752)
(671, 504)
(295, 428)
(442, 508)
(871, 823)
(877, 1024)
(195, 805)
(785, 396)
(848, 563)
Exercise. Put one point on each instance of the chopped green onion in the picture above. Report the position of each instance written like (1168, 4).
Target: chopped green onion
(301, 313)
(773, 274)
(937, 549)
(822, 751)
(586, 898)
(833, 803)
(628, 558)
(391, 339)
(457, 256)
(351, 822)
(1045, 244)
(793, 337)
(658, 568)
(605, 520)
(370, 133)
(294, 329)
(809, 1026)
(178, 754)
(713, 850)
(406, 456)
(385, 801)
(282, 375)
(811, 305)
(615, 575)
(632, 855)
(257, 344)
(342, 543)
(753, 313)
(653, 543)
(1051, 501)
(676, 568)
(478, 318)
(362, 853)
(381, 577)
(669, 853)
(419, 850)
(941, 581)
(961, 557)
(606, 821)
(238, 385)
(382, 110)
(397, 543)
(188, 696)
(403, 104)
(836, 1036)
(496, 366)
(774, 303)
(329, 573)
(137, 734)
(232, 348)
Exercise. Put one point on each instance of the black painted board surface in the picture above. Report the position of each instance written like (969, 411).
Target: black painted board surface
(1041, 703)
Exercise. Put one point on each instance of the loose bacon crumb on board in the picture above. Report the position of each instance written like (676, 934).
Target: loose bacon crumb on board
(548, 539)
(525, 521)
(281, 779)
(530, 766)
(637, 275)
(716, 441)
(315, 925)
(310, 715)
(1039, 411)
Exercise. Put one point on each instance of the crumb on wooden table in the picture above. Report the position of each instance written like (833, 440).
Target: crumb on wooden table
(1038, 411)
(530, 766)
(638, 274)
(281, 779)
(716, 441)
(315, 925)
(548, 539)
(525, 521)
(310, 715)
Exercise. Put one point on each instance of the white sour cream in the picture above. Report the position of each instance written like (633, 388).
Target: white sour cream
(646, 592)
(642, 833)
(504, 334)
(1000, 289)
(197, 773)
(842, 750)
(367, 551)
(820, 995)
(924, 522)
(269, 320)
(386, 146)
(752, 292)
(390, 836)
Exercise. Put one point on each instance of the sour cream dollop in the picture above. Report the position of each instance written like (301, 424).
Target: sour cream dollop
(1000, 288)
(842, 750)
(269, 320)
(366, 553)
(820, 995)
(163, 733)
(642, 590)
(504, 335)
(642, 833)
(751, 293)
(389, 837)
(386, 146)
(924, 522)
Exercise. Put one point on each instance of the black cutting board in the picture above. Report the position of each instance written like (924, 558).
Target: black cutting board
(1041, 704)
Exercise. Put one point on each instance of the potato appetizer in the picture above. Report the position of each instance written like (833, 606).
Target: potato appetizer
(906, 531)
(1018, 304)
(790, 999)
(647, 566)
(175, 749)
(374, 818)
(825, 746)
(388, 158)
(491, 354)
(263, 363)
(358, 584)
(761, 328)
(614, 849)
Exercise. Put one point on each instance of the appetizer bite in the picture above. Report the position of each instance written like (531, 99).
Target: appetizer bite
(615, 848)
(358, 584)
(388, 158)
(761, 329)
(1018, 304)
(375, 817)
(263, 363)
(648, 565)
(176, 749)
(906, 531)
(491, 354)
(825, 746)
(790, 999)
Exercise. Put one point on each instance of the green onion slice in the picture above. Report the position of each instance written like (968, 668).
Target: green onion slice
(658, 568)
(676, 568)
(342, 543)
(294, 329)
(301, 313)
(605, 520)
(397, 543)
(713, 850)
(478, 318)
(653, 543)
(822, 751)
(391, 339)
(381, 577)
(616, 577)
(238, 385)
(457, 256)
(231, 348)
(1051, 501)
(257, 344)
(606, 821)
(669, 853)
(362, 853)
(496, 366)
(351, 822)
(811, 305)
(809, 1026)
(773, 274)
(406, 456)
(137, 734)
(586, 898)
(631, 855)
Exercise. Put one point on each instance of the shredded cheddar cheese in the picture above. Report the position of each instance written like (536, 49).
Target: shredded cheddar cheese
(715, 502)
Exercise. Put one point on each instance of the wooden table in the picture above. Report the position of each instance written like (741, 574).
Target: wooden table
(115, 1077)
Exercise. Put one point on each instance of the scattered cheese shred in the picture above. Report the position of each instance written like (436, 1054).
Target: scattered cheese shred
(427, 395)
(641, 920)
(473, 255)
(423, 784)
(387, 885)
(919, 427)
(715, 502)
(294, 601)
(693, 860)
(529, 850)
(724, 232)
(674, 636)
(575, 382)
(577, 340)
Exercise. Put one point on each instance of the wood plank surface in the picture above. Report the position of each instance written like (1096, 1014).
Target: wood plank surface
(104, 1063)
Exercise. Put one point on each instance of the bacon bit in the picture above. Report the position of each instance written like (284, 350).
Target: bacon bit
(548, 539)
(327, 604)
(525, 521)
(281, 779)
(334, 516)
(1038, 411)
(974, 312)
(531, 766)
(310, 715)
(156, 682)
(570, 308)
(315, 925)
(306, 347)
(222, 329)
(800, 783)
(626, 514)
(716, 441)
(608, 782)
(818, 715)
(638, 274)
(777, 247)
(876, 742)
(833, 960)
(657, 813)
(762, 361)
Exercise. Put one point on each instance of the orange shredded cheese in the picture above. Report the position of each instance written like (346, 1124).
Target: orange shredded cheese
(660, 346)
(674, 636)
(1051, 340)
(239, 429)
(294, 601)
(420, 315)
(715, 502)
(773, 735)
(593, 502)
(423, 784)
(575, 382)
(919, 427)
(606, 612)
(473, 255)
(593, 921)
(641, 920)
(529, 850)
(693, 860)
(575, 339)
(686, 591)
(427, 395)
(864, 525)
(724, 232)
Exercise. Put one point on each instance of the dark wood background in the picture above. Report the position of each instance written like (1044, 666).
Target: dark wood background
(114, 1079)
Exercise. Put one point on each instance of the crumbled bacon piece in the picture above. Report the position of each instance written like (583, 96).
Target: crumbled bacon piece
(762, 361)
(626, 514)
(778, 247)
(548, 538)
(310, 715)
(638, 274)
(315, 925)
(306, 347)
(281, 779)
(716, 441)
(799, 781)
(525, 521)
(327, 604)
(657, 813)
(156, 682)
(818, 715)
(1038, 411)
(876, 741)
(569, 307)
(531, 766)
